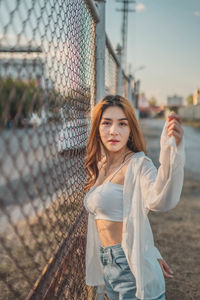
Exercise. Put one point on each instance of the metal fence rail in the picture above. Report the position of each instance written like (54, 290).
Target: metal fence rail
(46, 85)
(125, 86)
(113, 84)
(111, 69)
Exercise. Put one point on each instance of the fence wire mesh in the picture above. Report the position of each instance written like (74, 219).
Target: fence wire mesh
(111, 70)
(46, 72)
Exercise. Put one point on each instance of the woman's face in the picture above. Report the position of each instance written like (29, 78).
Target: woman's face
(114, 129)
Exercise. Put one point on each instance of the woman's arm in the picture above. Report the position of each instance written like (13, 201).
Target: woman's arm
(162, 188)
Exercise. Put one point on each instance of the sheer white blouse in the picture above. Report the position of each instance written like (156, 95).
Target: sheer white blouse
(145, 188)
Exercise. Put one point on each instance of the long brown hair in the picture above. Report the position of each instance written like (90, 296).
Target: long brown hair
(136, 142)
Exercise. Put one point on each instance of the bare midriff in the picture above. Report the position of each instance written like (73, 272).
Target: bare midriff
(110, 232)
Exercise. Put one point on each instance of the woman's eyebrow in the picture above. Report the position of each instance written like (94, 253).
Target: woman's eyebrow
(108, 119)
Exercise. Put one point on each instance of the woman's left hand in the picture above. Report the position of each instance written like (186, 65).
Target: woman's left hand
(167, 272)
(174, 127)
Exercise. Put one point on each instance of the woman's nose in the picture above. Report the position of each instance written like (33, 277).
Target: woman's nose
(113, 129)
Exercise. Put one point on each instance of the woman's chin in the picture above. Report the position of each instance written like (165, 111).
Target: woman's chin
(114, 148)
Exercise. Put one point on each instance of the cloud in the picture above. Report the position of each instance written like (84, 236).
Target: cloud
(140, 6)
(197, 13)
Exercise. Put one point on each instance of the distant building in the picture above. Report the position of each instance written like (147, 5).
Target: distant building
(143, 101)
(147, 110)
(25, 63)
(196, 97)
(174, 101)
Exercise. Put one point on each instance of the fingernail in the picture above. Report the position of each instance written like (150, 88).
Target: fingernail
(171, 271)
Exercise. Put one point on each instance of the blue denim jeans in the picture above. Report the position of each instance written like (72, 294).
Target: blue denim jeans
(119, 280)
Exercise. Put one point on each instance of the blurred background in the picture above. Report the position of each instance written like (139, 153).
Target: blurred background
(58, 58)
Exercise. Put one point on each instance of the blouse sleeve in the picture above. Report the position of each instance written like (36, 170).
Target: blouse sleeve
(161, 188)
(157, 253)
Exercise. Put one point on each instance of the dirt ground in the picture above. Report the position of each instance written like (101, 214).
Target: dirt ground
(177, 232)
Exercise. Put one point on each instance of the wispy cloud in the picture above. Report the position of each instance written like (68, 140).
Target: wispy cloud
(140, 6)
(197, 13)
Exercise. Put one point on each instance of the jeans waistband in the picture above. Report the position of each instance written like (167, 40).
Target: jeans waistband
(108, 248)
(108, 254)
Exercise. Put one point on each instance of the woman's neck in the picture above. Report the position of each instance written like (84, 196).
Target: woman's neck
(116, 158)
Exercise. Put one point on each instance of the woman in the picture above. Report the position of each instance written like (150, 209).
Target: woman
(123, 186)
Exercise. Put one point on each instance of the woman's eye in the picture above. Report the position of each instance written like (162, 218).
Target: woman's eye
(122, 124)
(105, 123)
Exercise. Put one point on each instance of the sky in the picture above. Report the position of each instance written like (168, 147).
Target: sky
(164, 37)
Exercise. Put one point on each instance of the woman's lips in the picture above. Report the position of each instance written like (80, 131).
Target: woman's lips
(113, 141)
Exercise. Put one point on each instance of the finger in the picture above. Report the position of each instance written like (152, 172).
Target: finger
(176, 128)
(167, 268)
(165, 273)
(173, 122)
(176, 132)
(174, 116)
(175, 125)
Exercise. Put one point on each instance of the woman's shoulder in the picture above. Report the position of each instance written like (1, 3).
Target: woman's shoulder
(139, 155)
(140, 160)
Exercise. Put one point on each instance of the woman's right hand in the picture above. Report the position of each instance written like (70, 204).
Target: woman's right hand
(174, 127)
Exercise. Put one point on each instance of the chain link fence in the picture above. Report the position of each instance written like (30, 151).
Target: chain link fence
(111, 71)
(46, 83)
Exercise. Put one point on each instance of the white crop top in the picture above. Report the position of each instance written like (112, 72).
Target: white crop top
(105, 201)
